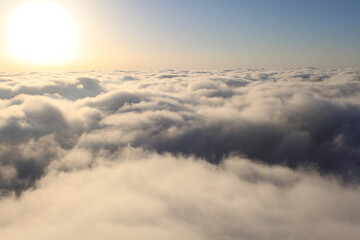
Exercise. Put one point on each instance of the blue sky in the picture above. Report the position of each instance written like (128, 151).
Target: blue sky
(215, 34)
(257, 32)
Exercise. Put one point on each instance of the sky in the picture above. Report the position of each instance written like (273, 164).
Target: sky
(211, 34)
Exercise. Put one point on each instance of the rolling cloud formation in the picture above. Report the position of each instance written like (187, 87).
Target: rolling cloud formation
(233, 154)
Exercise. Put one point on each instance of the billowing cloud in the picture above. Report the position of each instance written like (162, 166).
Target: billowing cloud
(149, 196)
(233, 154)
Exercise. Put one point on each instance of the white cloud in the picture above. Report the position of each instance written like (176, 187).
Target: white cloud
(150, 196)
(127, 154)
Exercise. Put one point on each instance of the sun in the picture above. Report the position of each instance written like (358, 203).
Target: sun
(42, 32)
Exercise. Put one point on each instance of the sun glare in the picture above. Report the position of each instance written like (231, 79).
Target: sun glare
(42, 32)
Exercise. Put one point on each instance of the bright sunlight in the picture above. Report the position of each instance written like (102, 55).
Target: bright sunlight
(42, 32)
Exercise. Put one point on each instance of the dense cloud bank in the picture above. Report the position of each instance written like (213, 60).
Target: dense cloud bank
(233, 154)
(148, 196)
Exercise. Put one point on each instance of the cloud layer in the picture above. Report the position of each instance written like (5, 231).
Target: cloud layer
(151, 196)
(233, 154)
